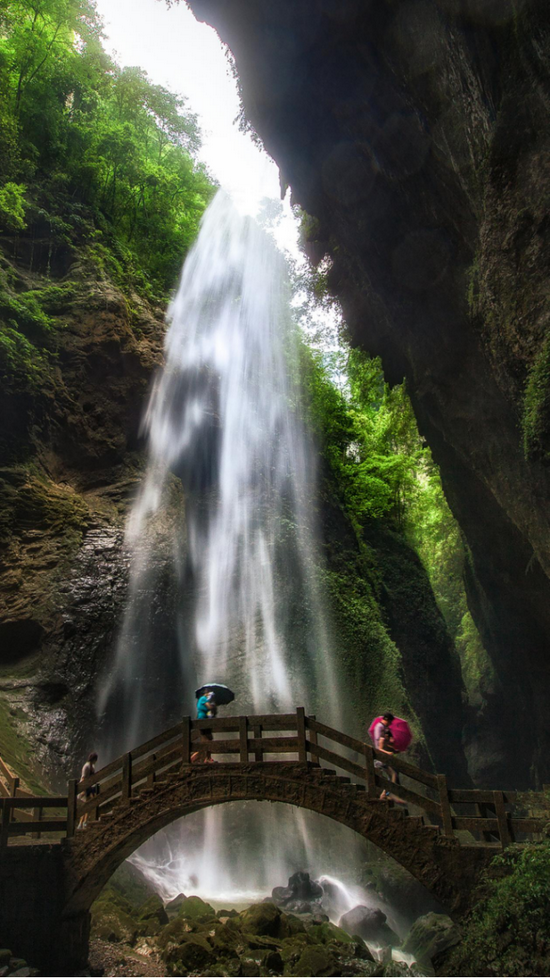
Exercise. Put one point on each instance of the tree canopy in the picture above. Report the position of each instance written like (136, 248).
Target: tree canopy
(77, 131)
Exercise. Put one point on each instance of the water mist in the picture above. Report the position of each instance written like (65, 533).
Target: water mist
(224, 569)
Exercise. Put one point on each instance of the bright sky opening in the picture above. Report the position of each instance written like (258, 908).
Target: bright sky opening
(188, 58)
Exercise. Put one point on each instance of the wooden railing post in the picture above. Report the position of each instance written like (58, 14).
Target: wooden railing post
(6, 819)
(243, 740)
(14, 784)
(301, 731)
(186, 741)
(370, 771)
(312, 737)
(446, 814)
(36, 817)
(257, 734)
(500, 811)
(151, 777)
(126, 778)
(72, 792)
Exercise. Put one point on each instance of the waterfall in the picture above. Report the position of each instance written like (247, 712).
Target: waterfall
(224, 570)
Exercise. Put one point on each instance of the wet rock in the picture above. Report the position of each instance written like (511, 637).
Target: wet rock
(193, 952)
(152, 916)
(195, 909)
(369, 924)
(173, 906)
(326, 932)
(293, 947)
(274, 962)
(315, 961)
(224, 937)
(5, 956)
(262, 962)
(430, 935)
(262, 918)
(290, 925)
(111, 922)
(300, 892)
(317, 917)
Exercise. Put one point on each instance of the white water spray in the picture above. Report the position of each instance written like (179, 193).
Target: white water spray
(224, 422)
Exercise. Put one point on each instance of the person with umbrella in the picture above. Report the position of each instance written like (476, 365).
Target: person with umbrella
(209, 697)
(390, 735)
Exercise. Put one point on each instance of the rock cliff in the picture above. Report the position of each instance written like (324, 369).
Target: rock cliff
(70, 463)
(415, 133)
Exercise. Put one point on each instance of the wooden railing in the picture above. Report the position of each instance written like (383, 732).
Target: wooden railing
(281, 738)
(16, 802)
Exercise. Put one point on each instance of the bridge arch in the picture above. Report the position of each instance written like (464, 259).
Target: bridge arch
(439, 863)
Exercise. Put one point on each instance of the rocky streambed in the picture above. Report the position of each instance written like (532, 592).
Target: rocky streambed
(188, 936)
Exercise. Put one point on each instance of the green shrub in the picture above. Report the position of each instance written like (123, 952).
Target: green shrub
(508, 933)
(12, 206)
(536, 407)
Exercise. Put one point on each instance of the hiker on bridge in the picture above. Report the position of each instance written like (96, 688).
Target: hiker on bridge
(209, 697)
(383, 741)
(84, 796)
(206, 708)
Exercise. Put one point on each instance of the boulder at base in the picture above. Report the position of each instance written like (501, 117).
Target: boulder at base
(431, 935)
(370, 924)
(300, 892)
(194, 908)
(316, 961)
(262, 918)
(173, 906)
(191, 954)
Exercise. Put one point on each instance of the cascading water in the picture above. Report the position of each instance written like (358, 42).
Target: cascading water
(234, 555)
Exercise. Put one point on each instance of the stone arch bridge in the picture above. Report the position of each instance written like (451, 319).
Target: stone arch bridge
(445, 837)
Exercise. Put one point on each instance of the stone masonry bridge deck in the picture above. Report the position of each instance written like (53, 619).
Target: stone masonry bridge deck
(444, 837)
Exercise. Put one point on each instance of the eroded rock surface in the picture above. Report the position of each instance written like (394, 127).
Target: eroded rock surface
(416, 135)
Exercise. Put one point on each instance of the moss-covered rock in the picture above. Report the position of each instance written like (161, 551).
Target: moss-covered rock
(327, 932)
(190, 954)
(536, 407)
(177, 930)
(316, 961)
(152, 916)
(224, 937)
(290, 925)
(195, 909)
(293, 947)
(112, 922)
(430, 935)
(262, 918)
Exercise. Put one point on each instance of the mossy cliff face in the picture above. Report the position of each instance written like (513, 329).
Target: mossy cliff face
(390, 639)
(416, 135)
(72, 399)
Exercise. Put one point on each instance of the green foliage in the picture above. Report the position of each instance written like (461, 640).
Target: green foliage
(80, 132)
(368, 436)
(12, 206)
(536, 407)
(29, 334)
(509, 931)
(383, 470)
(436, 536)
(22, 366)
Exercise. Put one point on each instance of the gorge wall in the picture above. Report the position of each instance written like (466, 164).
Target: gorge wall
(415, 133)
(71, 460)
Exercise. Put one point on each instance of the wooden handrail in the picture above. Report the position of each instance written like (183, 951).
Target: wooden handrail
(260, 738)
